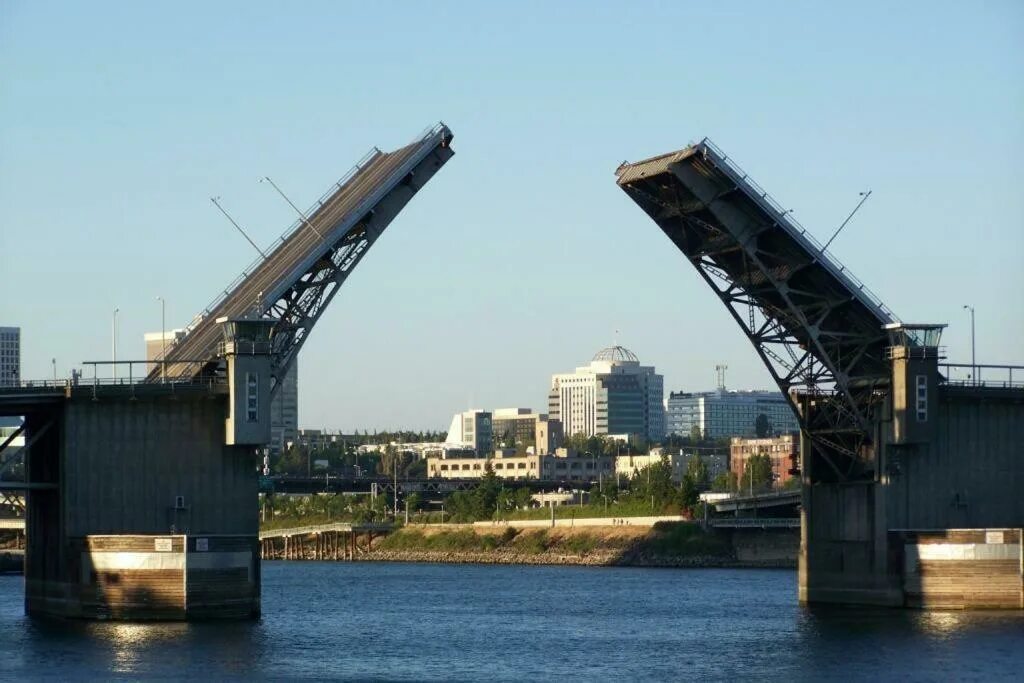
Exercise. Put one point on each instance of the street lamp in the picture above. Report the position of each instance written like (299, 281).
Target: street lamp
(974, 366)
(54, 362)
(113, 343)
(163, 339)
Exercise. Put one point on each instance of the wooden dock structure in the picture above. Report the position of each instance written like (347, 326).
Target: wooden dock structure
(339, 541)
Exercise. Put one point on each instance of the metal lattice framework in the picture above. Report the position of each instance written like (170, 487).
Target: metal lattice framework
(816, 328)
(296, 280)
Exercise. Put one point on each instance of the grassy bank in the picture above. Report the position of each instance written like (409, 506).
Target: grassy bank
(665, 544)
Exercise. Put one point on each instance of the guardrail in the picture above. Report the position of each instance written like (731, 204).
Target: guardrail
(299, 222)
(755, 522)
(795, 226)
(973, 375)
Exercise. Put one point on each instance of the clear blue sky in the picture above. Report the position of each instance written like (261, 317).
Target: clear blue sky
(521, 258)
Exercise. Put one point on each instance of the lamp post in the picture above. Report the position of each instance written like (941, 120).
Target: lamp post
(113, 343)
(163, 339)
(54, 362)
(974, 366)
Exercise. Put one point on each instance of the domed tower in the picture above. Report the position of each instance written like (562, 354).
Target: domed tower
(613, 395)
(615, 355)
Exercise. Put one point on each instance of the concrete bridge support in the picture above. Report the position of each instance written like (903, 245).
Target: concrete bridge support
(140, 511)
(939, 525)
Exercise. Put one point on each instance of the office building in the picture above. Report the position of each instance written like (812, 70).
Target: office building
(10, 356)
(525, 431)
(471, 430)
(284, 408)
(725, 414)
(783, 450)
(284, 411)
(614, 394)
(157, 342)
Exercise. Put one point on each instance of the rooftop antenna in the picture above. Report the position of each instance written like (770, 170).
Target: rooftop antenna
(615, 338)
(291, 204)
(863, 198)
(720, 376)
(237, 226)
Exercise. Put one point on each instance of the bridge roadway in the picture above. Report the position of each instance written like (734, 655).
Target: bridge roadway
(760, 501)
(274, 275)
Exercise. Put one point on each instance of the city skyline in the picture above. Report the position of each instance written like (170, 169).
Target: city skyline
(139, 134)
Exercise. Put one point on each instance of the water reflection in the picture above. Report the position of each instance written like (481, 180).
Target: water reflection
(131, 642)
(425, 622)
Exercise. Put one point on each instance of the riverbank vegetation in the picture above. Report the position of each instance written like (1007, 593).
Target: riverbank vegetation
(666, 543)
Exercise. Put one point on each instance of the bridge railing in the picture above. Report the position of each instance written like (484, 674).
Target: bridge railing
(795, 226)
(299, 222)
(982, 375)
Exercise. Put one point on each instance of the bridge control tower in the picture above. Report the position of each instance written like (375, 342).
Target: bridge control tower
(898, 455)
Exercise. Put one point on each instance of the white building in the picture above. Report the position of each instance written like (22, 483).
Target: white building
(612, 395)
(471, 430)
(724, 413)
(562, 465)
(284, 408)
(628, 465)
(10, 356)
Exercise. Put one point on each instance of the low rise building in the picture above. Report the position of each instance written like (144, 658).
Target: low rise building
(471, 429)
(525, 431)
(784, 452)
(563, 465)
(628, 465)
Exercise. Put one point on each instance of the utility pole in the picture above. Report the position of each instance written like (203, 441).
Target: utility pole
(291, 204)
(863, 198)
(974, 362)
(238, 227)
(113, 343)
(163, 339)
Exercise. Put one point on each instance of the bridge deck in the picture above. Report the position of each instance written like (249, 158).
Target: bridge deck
(309, 241)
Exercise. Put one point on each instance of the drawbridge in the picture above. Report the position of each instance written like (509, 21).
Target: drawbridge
(818, 330)
(297, 278)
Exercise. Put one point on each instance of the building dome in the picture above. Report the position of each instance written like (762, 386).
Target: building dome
(616, 354)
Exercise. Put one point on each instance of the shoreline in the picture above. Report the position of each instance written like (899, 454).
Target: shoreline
(663, 544)
(590, 560)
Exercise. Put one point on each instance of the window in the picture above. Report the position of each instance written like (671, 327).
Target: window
(922, 398)
(252, 399)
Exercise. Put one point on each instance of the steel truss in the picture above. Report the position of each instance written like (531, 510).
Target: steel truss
(304, 302)
(295, 282)
(823, 347)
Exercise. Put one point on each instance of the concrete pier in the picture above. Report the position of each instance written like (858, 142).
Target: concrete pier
(139, 510)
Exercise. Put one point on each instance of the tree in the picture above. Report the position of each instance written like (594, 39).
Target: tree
(689, 496)
(697, 470)
(696, 435)
(762, 427)
(757, 472)
(726, 482)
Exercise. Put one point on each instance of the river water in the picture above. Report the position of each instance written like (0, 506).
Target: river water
(494, 622)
